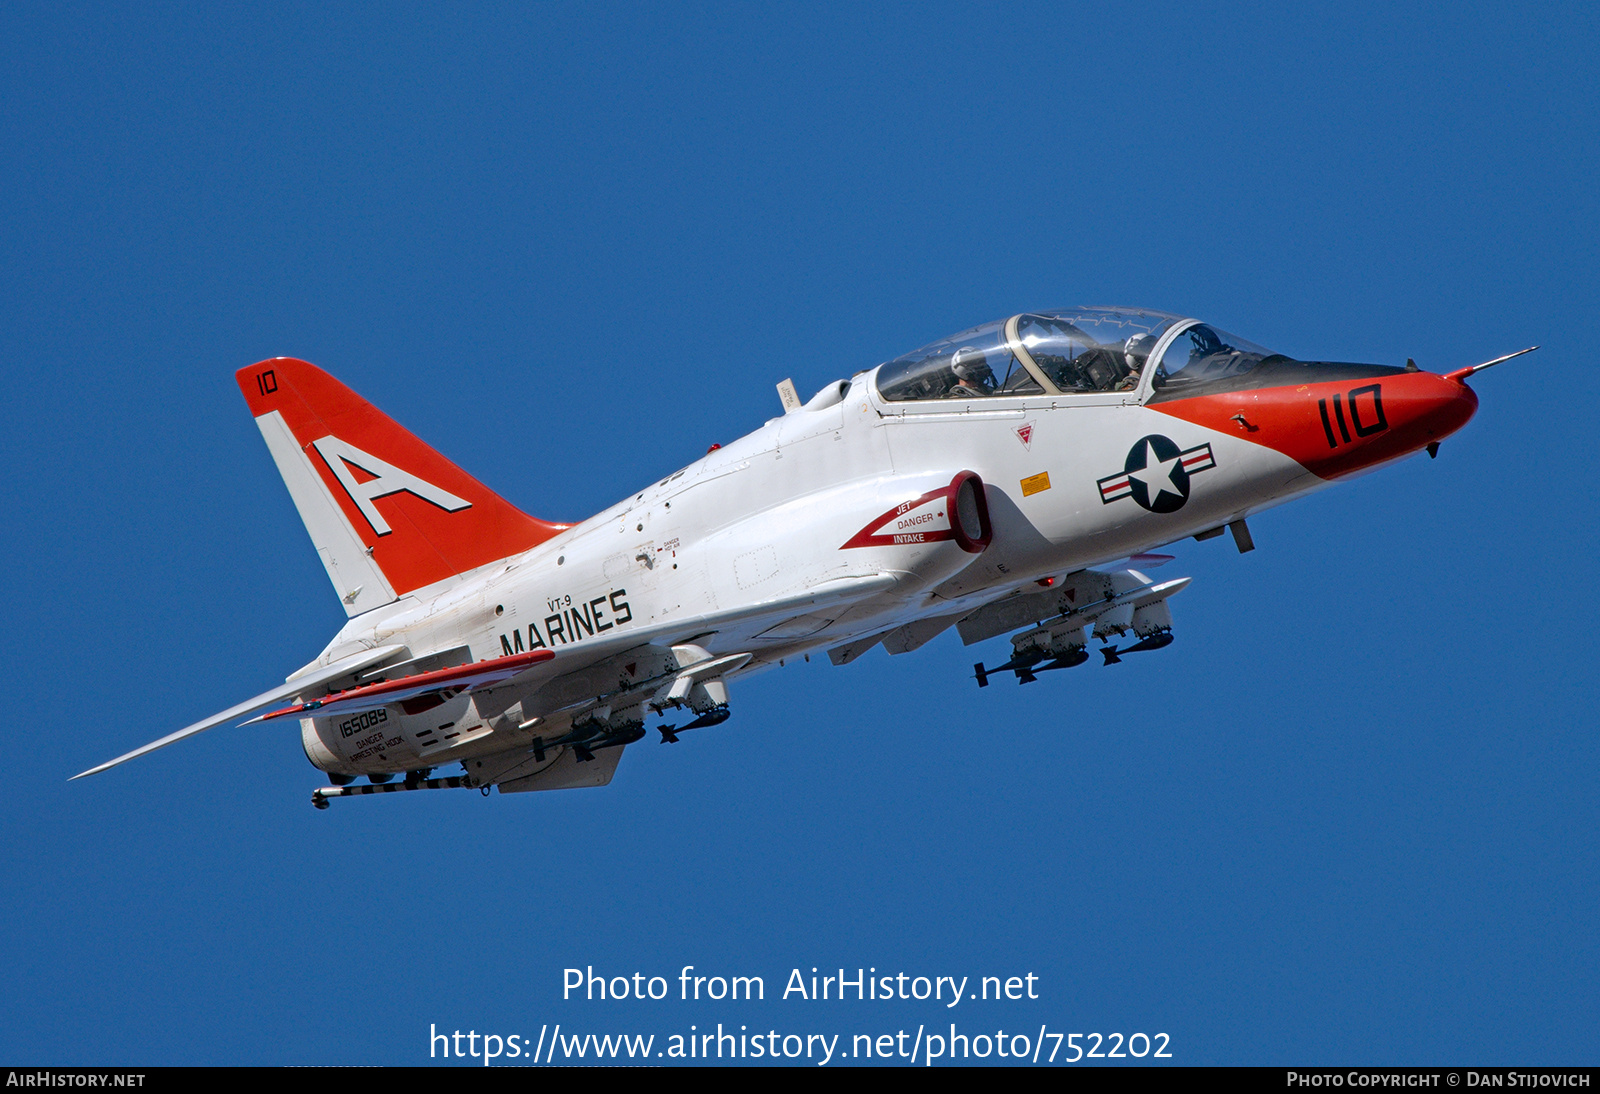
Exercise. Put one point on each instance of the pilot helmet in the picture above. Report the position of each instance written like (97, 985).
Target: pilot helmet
(1137, 349)
(970, 364)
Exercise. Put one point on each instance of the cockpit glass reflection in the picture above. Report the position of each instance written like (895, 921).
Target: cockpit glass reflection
(1203, 354)
(1063, 351)
(1099, 352)
(1090, 351)
(973, 364)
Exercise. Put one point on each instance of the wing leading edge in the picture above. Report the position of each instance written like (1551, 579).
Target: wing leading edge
(296, 686)
(458, 679)
(488, 673)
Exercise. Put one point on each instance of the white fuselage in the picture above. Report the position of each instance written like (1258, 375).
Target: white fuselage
(766, 519)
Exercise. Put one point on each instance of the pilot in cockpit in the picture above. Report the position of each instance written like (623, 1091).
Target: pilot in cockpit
(1135, 352)
(973, 374)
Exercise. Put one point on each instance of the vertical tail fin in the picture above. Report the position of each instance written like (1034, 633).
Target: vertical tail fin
(386, 513)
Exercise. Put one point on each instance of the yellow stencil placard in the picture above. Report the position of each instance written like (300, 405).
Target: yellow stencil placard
(1034, 484)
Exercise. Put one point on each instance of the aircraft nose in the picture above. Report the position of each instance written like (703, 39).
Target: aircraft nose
(1367, 424)
(1363, 425)
(1339, 426)
(1429, 407)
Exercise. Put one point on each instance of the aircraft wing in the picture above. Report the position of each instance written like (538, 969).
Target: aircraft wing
(766, 614)
(539, 667)
(485, 674)
(296, 686)
(455, 680)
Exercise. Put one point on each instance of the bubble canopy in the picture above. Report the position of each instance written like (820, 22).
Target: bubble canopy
(1068, 351)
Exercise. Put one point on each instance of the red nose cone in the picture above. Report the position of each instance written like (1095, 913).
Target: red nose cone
(1436, 407)
(1340, 427)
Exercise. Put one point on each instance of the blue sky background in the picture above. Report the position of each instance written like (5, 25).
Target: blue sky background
(1350, 816)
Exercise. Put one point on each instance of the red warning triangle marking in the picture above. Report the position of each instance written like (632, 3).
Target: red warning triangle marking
(1025, 435)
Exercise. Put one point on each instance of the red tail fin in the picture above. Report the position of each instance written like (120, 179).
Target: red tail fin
(387, 513)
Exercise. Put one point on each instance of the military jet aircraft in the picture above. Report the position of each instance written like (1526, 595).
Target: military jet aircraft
(1014, 478)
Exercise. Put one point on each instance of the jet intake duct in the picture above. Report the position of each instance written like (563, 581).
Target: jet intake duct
(956, 511)
(969, 513)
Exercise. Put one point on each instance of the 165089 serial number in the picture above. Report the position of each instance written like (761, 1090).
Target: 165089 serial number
(363, 721)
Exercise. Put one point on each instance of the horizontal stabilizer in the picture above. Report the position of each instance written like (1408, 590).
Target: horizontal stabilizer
(370, 696)
(298, 686)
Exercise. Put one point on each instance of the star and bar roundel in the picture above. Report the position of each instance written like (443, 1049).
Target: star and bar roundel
(1156, 474)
